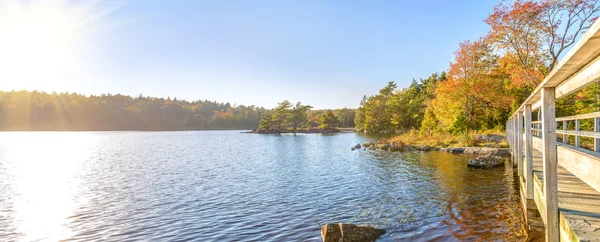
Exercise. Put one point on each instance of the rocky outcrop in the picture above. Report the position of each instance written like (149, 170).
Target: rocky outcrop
(487, 151)
(488, 138)
(384, 146)
(398, 147)
(426, 148)
(394, 147)
(503, 152)
(350, 233)
(486, 161)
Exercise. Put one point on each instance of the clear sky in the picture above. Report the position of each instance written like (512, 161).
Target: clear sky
(323, 53)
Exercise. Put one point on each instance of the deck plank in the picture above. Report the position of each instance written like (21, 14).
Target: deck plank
(578, 203)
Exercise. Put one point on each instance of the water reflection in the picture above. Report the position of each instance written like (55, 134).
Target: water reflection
(227, 186)
(42, 182)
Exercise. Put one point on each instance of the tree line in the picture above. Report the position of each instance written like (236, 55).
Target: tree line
(24, 110)
(30, 111)
(489, 77)
(287, 116)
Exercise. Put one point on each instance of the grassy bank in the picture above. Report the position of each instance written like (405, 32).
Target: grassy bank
(441, 140)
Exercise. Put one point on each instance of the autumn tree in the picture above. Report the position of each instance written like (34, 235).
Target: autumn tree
(429, 123)
(535, 34)
(472, 86)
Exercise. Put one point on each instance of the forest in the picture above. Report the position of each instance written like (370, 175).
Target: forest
(25, 111)
(489, 77)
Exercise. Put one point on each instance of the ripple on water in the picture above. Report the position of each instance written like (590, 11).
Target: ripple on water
(226, 186)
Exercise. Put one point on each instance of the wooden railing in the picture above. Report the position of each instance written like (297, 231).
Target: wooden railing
(578, 133)
(578, 69)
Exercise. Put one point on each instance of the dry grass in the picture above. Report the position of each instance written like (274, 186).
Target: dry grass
(443, 140)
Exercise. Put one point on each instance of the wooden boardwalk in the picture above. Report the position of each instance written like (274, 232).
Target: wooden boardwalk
(578, 203)
(559, 182)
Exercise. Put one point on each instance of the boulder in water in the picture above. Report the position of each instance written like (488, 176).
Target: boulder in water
(457, 150)
(486, 161)
(350, 233)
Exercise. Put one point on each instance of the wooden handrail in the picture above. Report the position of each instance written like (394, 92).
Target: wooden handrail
(579, 117)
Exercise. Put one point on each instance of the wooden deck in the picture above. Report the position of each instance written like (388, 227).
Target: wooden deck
(564, 182)
(578, 203)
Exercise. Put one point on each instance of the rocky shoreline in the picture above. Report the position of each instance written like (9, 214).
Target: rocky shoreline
(487, 157)
(395, 147)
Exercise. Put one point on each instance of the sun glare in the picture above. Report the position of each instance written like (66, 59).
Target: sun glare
(38, 42)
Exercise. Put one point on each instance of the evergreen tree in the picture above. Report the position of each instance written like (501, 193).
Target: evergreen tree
(299, 115)
(266, 122)
(329, 120)
(281, 114)
(359, 118)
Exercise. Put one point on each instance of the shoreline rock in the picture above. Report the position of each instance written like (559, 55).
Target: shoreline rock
(502, 152)
(350, 233)
(485, 162)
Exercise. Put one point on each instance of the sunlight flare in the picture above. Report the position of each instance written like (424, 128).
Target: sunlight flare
(42, 41)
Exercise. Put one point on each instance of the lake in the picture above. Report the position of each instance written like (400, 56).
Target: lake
(228, 186)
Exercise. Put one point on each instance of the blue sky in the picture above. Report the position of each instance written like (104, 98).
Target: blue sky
(324, 53)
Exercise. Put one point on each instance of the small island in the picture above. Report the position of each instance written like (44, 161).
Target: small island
(286, 118)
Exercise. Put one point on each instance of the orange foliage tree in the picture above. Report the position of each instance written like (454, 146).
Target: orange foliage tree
(474, 87)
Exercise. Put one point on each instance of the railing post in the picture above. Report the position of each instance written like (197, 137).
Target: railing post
(515, 141)
(597, 129)
(550, 163)
(520, 142)
(508, 133)
(565, 134)
(528, 154)
(577, 137)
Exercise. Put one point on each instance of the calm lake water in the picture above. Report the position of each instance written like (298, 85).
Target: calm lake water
(227, 186)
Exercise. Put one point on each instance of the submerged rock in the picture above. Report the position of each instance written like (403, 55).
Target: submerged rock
(457, 150)
(395, 148)
(349, 233)
(486, 161)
